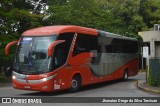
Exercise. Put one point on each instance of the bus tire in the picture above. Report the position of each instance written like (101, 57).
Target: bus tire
(75, 84)
(125, 75)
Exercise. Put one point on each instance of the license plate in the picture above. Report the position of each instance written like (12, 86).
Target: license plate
(27, 87)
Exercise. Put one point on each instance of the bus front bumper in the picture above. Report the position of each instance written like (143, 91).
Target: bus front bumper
(34, 83)
(47, 86)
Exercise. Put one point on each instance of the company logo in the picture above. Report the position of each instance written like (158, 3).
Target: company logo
(6, 100)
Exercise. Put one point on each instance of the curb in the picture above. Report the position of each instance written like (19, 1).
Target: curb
(147, 89)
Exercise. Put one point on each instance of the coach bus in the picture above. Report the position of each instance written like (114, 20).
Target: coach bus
(53, 58)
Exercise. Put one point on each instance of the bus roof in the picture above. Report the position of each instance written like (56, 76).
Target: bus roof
(112, 35)
(51, 30)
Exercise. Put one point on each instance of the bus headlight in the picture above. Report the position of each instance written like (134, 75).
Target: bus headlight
(44, 79)
(48, 78)
(13, 77)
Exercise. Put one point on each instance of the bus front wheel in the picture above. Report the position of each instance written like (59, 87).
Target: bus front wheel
(75, 84)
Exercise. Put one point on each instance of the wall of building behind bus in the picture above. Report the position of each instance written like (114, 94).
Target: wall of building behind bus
(152, 40)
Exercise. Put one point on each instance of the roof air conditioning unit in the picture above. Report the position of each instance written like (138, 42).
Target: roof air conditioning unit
(156, 27)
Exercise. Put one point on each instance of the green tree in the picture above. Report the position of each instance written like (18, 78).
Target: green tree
(149, 11)
(17, 16)
(126, 20)
(82, 12)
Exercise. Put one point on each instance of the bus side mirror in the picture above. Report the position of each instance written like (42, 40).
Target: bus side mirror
(8, 46)
(52, 46)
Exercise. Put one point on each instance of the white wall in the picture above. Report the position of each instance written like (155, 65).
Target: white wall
(149, 35)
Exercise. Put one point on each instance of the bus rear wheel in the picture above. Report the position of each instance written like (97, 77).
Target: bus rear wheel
(75, 84)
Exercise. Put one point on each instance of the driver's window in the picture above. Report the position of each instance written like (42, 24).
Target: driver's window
(61, 51)
(58, 56)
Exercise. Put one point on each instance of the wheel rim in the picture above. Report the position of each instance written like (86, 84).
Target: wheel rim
(74, 83)
(126, 75)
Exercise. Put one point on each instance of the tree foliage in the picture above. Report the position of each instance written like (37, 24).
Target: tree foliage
(82, 12)
(17, 16)
(150, 10)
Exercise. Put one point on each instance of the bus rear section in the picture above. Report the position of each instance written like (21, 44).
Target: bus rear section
(119, 56)
(54, 58)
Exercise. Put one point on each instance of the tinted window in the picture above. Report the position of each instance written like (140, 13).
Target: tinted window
(58, 56)
(114, 45)
(85, 43)
(61, 50)
(68, 37)
(130, 47)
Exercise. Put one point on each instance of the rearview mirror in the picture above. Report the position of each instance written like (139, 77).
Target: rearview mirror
(8, 46)
(52, 45)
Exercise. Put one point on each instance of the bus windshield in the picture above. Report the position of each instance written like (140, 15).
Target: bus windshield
(31, 55)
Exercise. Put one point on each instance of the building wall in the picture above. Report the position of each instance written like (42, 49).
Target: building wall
(149, 35)
(153, 37)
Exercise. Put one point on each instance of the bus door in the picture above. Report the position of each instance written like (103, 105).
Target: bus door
(58, 65)
(61, 56)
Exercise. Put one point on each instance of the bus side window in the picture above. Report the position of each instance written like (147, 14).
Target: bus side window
(68, 37)
(130, 47)
(109, 48)
(85, 43)
(61, 51)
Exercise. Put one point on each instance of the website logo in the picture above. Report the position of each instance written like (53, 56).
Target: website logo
(6, 100)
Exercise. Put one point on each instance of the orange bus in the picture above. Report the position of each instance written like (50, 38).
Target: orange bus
(55, 58)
